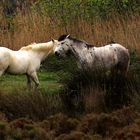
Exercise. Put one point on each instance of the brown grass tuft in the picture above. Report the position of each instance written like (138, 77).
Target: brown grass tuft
(106, 124)
(32, 27)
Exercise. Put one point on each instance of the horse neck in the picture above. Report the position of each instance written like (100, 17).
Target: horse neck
(82, 55)
(42, 50)
(78, 51)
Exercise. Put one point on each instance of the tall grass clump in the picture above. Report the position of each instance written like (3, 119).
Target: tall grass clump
(102, 91)
(99, 92)
(32, 105)
(44, 20)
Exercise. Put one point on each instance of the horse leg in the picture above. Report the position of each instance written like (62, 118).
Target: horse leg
(1, 72)
(28, 81)
(35, 79)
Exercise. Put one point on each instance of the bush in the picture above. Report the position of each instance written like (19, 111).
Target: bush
(34, 105)
(107, 91)
(134, 62)
(67, 11)
(59, 65)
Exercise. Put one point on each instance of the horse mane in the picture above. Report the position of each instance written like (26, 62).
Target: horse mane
(112, 42)
(29, 47)
(62, 37)
(89, 46)
(37, 46)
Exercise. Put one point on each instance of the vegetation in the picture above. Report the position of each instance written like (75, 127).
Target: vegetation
(88, 102)
(67, 11)
(61, 127)
(49, 83)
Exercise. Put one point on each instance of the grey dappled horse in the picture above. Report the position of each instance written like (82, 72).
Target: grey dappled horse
(109, 57)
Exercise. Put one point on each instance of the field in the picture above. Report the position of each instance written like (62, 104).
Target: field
(71, 104)
(11, 83)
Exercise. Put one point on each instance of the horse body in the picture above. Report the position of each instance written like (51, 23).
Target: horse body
(97, 57)
(109, 56)
(18, 62)
(27, 60)
(89, 57)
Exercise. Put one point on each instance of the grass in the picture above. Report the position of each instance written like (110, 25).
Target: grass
(100, 95)
(49, 82)
(97, 96)
(93, 126)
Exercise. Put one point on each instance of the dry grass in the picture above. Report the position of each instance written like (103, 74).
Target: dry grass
(119, 125)
(32, 105)
(32, 27)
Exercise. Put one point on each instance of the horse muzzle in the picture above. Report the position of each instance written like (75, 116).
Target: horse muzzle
(57, 54)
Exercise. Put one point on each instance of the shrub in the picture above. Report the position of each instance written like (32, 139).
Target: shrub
(107, 91)
(34, 105)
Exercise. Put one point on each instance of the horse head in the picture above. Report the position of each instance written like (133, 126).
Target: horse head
(62, 47)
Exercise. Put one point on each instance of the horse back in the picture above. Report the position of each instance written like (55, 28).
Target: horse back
(111, 55)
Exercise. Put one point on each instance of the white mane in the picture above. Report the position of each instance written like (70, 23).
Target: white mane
(38, 46)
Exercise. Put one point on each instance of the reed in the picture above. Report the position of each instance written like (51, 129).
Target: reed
(22, 29)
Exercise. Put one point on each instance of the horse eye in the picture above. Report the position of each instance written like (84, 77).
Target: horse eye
(62, 43)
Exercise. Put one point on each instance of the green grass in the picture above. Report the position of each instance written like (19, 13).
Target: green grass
(49, 82)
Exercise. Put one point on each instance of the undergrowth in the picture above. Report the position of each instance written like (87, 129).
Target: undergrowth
(120, 124)
(101, 91)
(82, 92)
(96, 93)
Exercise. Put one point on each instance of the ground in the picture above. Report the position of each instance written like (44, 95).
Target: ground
(49, 82)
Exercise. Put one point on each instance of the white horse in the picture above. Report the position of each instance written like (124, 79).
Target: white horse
(27, 60)
(89, 57)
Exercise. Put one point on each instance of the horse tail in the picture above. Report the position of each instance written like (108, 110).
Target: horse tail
(128, 63)
(123, 59)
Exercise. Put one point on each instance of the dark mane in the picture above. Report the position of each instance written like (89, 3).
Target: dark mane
(112, 42)
(81, 41)
(62, 37)
(89, 46)
(75, 40)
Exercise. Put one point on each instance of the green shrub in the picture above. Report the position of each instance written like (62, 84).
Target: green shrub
(55, 64)
(134, 62)
(3, 130)
(67, 11)
(118, 90)
(16, 134)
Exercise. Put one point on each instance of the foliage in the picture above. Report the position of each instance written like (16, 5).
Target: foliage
(120, 124)
(55, 64)
(116, 89)
(135, 61)
(82, 92)
(96, 21)
(49, 82)
(67, 11)
(34, 105)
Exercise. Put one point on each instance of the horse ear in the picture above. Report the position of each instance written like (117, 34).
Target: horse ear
(68, 36)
